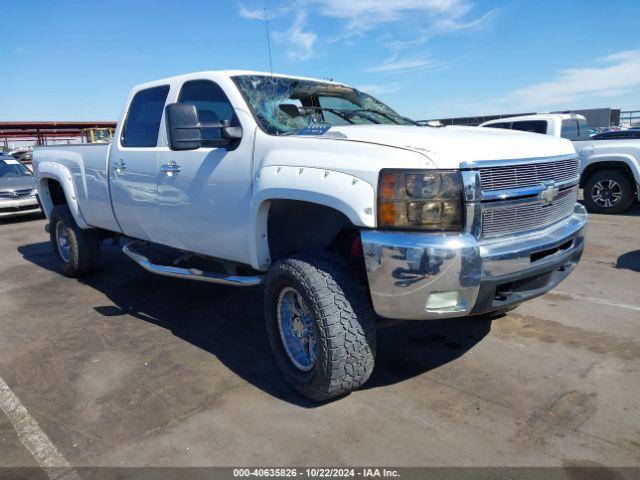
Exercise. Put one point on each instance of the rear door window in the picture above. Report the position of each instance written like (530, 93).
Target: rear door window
(142, 125)
(534, 126)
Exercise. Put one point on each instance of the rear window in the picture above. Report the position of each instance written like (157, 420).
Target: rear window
(570, 130)
(534, 126)
(142, 125)
(583, 130)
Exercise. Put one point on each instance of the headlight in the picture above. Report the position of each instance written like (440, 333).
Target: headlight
(420, 199)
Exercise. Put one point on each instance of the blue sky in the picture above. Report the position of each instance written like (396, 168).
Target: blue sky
(72, 60)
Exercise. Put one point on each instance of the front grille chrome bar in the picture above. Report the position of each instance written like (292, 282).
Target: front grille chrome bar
(509, 218)
(509, 197)
(510, 177)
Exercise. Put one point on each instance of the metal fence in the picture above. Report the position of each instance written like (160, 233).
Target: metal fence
(630, 118)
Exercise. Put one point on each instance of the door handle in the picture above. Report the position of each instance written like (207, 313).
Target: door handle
(119, 165)
(171, 167)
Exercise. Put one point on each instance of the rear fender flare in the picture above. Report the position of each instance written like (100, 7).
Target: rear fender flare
(61, 174)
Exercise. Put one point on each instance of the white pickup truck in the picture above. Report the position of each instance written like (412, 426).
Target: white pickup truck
(609, 169)
(346, 211)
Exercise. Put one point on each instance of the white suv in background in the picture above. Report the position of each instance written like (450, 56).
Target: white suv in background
(609, 169)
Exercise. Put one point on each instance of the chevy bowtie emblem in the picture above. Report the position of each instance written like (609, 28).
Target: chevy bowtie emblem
(549, 194)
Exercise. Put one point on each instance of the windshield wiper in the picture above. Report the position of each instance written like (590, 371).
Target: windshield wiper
(340, 113)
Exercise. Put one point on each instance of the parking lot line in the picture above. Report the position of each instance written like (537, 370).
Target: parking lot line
(33, 438)
(615, 224)
(601, 301)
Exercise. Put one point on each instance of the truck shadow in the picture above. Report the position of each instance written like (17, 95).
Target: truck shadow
(20, 218)
(629, 261)
(228, 323)
(632, 211)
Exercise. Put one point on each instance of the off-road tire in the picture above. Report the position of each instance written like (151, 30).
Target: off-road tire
(342, 316)
(625, 185)
(84, 245)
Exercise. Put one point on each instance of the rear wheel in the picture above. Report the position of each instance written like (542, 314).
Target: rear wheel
(608, 191)
(320, 326)
(77, 250)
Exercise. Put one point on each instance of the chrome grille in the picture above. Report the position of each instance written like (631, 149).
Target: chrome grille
(13, 194)
(511, 218)
(529, 175)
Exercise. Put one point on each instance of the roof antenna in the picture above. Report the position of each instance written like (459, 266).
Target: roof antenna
(266, 24)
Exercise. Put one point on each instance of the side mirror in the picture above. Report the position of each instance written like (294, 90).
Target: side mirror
(186, 132)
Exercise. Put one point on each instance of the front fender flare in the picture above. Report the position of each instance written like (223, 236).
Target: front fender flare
(352, 196)
(625, 158)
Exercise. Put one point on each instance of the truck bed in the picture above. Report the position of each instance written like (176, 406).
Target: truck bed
(88, 165)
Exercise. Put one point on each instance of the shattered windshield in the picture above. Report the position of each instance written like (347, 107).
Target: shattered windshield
(287, 106)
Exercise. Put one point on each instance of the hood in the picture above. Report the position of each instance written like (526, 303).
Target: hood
(16, 183)
(448, 147)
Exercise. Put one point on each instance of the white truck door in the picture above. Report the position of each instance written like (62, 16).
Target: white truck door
(204, 194)
(133, 164)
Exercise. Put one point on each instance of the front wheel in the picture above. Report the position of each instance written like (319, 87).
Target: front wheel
(608, 191)
(320, 325)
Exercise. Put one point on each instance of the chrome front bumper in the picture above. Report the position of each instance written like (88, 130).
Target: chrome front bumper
(22, 206)
(425, 276)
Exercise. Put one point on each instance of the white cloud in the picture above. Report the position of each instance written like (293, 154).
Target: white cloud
(403, 65)
(445, 25)
(258, 13)
(610, 77)
(441, 26)
(366, 14)
(379, 89)
(357, 17)
(251, 14)
(299, 42)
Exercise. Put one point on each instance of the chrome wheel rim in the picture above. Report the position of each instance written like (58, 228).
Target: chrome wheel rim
(62, 241)
(297, 329)
(606, 193)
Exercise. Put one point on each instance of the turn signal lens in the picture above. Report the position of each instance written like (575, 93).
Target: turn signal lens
(427, 200)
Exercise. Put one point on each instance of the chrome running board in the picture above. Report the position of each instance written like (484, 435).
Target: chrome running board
(190, 273)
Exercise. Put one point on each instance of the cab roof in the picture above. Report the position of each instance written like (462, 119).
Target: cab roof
(537, 116)
(228, 74)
